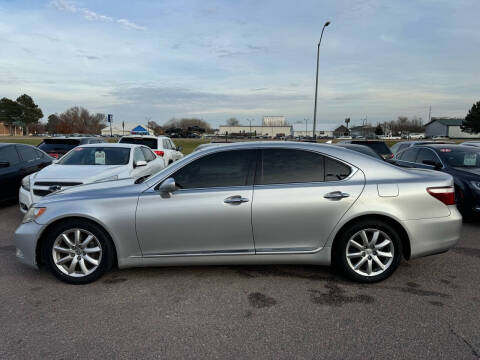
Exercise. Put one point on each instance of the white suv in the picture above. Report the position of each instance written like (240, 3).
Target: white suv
(161, 145)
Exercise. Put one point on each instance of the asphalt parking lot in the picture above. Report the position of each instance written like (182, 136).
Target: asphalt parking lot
(428, 308)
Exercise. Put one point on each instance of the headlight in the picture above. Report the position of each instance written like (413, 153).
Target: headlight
(110, 178)
(26, 182)
(33, 213)
(475, 184)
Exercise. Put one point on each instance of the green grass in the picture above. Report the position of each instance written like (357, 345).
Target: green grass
(23, 140)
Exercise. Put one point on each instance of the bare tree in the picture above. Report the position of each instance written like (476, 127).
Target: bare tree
(233, 122)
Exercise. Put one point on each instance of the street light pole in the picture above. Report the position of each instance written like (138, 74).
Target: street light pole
(316, 84)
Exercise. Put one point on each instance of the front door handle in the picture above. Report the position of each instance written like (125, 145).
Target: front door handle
(236, 199)
(336, 195)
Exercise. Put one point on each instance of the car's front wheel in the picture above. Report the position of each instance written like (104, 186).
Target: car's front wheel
(77, 251)
(368, 251)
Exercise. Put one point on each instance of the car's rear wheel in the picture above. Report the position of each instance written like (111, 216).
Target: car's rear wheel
(77, 251)
(368, 251)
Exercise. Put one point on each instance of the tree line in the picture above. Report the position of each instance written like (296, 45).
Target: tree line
(22, 113)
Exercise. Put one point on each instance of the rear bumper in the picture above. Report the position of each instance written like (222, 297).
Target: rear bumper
(432, 236)
(26, 237)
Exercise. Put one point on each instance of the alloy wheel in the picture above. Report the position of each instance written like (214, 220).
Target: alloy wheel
(370, 252)
(77, 252)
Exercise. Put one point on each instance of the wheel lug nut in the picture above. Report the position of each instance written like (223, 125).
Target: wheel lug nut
(369, 257)
(79, 257)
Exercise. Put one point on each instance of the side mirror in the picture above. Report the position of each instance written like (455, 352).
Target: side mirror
(433, 163)
(179, 148)
(4, 164)
(140, 163)
(168, 186)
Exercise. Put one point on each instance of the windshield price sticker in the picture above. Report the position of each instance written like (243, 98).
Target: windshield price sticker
(99, 157)
(470, 159)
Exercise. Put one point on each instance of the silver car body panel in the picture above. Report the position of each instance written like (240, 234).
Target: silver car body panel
(289, 223)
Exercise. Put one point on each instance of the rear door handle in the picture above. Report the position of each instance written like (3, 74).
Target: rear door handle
(236, 199)
(336, 195)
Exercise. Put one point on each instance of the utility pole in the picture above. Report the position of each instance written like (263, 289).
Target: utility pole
(430, 114)
(316, 82)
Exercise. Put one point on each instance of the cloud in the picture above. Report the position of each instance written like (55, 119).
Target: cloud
(64, 5)
(130, 25)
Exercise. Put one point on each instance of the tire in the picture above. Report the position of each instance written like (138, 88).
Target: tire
(82, 259)
(360, 263)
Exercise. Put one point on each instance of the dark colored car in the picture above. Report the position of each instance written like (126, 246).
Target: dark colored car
(460, 161)
(16, 162)
(362, 149)
(378, 146)
(59, 146)
(402, 145)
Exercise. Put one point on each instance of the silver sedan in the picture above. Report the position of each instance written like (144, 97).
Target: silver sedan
(248, 203)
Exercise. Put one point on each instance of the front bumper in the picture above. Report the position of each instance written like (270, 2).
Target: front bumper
(432, 236)
(24, 199)
(26, 237)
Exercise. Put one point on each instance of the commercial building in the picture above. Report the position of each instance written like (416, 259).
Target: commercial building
(119, 131)
(274, 121)
(447, 127)
(269, 131)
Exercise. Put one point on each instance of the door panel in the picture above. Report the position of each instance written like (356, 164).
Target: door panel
(299, 196)
(210, 212)
(195, 221)
(292, 217)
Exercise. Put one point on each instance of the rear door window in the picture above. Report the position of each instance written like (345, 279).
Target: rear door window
(63, 145)
(283, 166)
(26, 153)
(166, 144)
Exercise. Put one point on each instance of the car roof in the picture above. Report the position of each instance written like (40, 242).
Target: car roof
(10, 144)
(146, 136)
(441, 146)
(113, 145)
(71, 137)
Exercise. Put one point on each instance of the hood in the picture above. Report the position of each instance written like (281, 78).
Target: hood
(84, 173)
(103, 189)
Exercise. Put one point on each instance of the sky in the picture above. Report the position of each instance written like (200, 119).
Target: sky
(215, 59)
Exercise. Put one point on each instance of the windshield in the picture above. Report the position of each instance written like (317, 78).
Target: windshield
(468, 158)
(97, 156)
(151, 143)
(64, 145)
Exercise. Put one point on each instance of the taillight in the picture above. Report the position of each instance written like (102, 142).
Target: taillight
(55, 155)
(158, 152)
(445, 194)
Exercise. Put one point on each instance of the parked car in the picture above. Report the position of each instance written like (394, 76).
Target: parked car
(378, 146)
(462, 162)
(87, 164)
(56, 147)
(302, 203)
(161, 145)
(17, 161)
(361, 149)
(402, 145)
(472, 143)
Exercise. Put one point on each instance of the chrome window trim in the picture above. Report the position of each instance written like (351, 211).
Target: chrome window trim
(213, 150)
